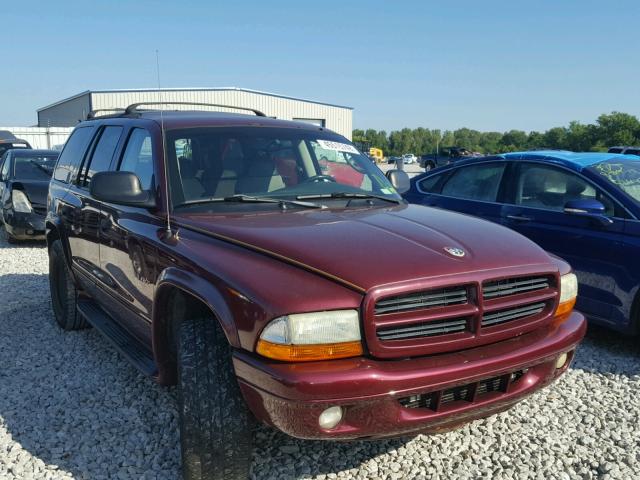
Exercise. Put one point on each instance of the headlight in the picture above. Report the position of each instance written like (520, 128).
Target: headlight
(305, 337)
(568, 294)
(20, 201)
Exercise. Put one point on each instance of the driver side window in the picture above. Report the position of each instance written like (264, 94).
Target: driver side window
(138, 157)
(542, 186)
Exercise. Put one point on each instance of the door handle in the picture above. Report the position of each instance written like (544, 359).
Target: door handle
(519, 218)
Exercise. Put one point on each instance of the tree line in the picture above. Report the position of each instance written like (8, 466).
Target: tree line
(616, 128)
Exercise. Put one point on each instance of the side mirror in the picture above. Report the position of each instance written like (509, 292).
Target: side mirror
(399, 179)
(588, 208)
(121, 188)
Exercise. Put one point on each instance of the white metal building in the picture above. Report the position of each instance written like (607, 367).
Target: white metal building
(42, 137)
(68, 112)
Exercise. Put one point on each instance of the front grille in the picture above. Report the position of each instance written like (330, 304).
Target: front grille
(438, 318)
(512, 286)
(467, 393)
(441, 297)
(426, 329)
(509, 314)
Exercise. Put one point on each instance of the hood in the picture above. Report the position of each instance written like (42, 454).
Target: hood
(368, 248)
(36, 190)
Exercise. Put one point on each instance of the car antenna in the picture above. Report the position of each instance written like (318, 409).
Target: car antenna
(169, 236)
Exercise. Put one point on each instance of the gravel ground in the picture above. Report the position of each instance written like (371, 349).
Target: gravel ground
(70, 407)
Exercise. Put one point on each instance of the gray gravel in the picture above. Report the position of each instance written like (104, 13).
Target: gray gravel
(70, 407)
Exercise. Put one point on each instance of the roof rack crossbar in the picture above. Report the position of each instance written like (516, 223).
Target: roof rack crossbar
(92, 114)
(133, 108)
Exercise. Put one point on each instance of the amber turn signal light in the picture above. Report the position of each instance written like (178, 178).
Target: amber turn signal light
(564, 311)
(566, 308)
(308, 353)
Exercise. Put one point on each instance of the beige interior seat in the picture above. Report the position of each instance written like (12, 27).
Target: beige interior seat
(261, 177)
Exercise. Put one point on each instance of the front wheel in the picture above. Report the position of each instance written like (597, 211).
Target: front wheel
(428, 167)
(216, 428)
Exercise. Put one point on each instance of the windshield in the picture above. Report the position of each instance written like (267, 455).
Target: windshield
(623, 174)
(36, 167)
(206, 164)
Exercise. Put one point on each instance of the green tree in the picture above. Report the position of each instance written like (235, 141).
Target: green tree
(615, 128)
(618, 128)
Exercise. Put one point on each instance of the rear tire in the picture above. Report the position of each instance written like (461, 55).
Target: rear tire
(216, 428)
(64, 295)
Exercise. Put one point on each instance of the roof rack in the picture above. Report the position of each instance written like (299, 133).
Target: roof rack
(92, 114)
(133, 108)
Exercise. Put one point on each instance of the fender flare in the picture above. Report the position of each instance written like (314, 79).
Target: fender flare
(198, 287)
(55, 225)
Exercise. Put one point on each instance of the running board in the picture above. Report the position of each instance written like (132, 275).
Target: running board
(133, 349)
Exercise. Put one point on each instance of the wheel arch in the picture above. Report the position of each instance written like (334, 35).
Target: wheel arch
(182, 295)
(54, 231)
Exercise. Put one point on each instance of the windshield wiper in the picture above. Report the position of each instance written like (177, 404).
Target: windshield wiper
(251, 199)
(45, 169)
(347, 195)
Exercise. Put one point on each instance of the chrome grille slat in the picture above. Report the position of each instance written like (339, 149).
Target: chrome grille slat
(511, 286)
(438, 327)
(427, 299)
(506, 315)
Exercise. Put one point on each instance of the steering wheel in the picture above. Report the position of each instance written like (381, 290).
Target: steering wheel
(319, 178)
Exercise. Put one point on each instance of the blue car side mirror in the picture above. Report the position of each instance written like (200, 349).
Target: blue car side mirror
(590, 208)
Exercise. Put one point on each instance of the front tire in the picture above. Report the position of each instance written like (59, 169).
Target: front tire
(64, 296)
(216, 428)
(428, 167)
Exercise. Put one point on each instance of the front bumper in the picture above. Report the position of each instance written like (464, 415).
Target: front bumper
(292, 396)
(25, 226)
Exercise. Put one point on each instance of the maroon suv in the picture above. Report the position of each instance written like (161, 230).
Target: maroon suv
(274, 273)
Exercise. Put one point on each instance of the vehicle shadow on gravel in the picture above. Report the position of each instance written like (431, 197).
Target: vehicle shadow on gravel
(69, 404)
(279, 456)
(621, 352)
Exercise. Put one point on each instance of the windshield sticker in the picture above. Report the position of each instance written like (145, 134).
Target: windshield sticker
(337, 146)
(622, 175)
(388, 191)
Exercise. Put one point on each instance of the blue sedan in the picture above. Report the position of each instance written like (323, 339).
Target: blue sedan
(583, 207)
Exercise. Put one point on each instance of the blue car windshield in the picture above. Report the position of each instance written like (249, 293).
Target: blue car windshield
(623, 174)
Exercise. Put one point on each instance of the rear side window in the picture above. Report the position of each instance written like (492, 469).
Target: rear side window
(475, 182)
(72, 154)
(102, 153)
(138, 157)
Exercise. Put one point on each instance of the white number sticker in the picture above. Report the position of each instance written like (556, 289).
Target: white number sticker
(337, 146)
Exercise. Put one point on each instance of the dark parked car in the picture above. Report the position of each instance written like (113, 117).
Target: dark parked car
(583, 207)
(241, 258)
(625, 150)
(24, 182)
(446, 156)
(8, 141)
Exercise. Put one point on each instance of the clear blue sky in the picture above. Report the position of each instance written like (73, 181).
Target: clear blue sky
(488, 65)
